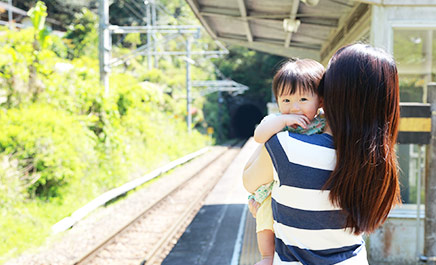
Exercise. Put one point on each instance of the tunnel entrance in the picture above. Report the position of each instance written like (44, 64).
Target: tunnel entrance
(245, 119)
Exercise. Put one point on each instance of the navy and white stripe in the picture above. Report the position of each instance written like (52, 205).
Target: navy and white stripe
(309, 229)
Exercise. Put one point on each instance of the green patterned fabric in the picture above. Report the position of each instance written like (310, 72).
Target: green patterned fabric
(262, 192)
(316, 126)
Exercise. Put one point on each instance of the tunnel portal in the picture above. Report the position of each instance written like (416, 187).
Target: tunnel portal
(244, 120)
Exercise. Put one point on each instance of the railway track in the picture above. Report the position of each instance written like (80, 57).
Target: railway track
(148, 238)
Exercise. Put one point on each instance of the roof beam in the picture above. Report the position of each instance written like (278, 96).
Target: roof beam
(249, 17)
(253, 19)
(400, 2)
(213, 12)
(220, 11)
(195, 6)
(292, 16)
(375, 2)
(243, 11)
(332, 23)
(351, 28)
(275, 48)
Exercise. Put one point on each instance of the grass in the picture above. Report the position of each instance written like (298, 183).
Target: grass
(26, 224)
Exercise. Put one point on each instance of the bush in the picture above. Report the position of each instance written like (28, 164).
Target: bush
(11, 189)
(52, 147)
(68, 141)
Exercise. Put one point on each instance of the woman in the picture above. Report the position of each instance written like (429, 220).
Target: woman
(332, 187)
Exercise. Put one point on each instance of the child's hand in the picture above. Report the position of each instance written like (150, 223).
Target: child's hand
(292, 120)
(253, 206)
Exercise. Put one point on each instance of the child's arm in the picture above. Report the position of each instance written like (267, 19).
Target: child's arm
(258, 170)
(253, 206)
(272, 125)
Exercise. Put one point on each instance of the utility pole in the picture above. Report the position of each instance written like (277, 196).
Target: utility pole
(149, 27)
(10, 14)
(106, 30)
(430, 184)
(104, 44)
(188, 83)
(153, 24)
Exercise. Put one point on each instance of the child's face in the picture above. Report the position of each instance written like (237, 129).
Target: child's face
(301, 102)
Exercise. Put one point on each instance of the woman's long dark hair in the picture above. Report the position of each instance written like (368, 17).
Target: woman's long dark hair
(361, 103)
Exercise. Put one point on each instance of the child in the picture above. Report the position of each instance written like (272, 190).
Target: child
(295, 87)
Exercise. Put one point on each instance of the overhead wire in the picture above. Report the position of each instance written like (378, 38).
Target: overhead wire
(165, 40)
(165, 10)
(129, 6)
(139, 51)
(137, 5)
(66, 9)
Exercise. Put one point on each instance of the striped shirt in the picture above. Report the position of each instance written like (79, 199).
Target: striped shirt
(309, 229)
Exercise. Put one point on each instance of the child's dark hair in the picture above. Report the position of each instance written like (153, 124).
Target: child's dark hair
(297, 75)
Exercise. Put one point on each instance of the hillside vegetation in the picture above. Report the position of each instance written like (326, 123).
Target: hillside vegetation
(64, 141)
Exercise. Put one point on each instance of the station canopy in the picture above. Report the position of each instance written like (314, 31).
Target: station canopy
(290, 28)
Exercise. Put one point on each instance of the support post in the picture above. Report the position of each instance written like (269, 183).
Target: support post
(418, 201)
(220, 115)
(430, 184)
(188, 83)
(149, 35)
(104, 45)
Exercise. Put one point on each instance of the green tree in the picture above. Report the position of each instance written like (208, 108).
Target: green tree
(74, 142)
(251, 68)
(82, 35)
(37, 15)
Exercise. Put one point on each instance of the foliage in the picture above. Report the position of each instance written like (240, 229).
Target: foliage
(248, 67)
(155, 76)
(179, 12)
(217, 116)
(57, 45)
(133, 39)
(74, 141)
(82, 35)
(412, 57)
(411, 88)
(18, 61)
(253, 69)
(52, 147)
(19, 228)
(62, 11)
(37, 15)
(11, 189)
(17, 54)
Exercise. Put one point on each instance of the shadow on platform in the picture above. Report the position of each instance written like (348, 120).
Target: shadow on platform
(210, 238)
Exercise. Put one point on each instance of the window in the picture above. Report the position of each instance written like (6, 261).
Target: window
(415, 54)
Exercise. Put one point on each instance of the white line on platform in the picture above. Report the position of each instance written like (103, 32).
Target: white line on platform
(238, 242)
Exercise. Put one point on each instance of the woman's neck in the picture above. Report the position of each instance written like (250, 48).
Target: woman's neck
(327, 129)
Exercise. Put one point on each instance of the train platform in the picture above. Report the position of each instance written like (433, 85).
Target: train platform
(223, 231)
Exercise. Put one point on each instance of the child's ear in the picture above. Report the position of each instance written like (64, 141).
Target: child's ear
(321, 102)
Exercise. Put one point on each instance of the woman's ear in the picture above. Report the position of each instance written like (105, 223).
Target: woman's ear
(320, 107)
